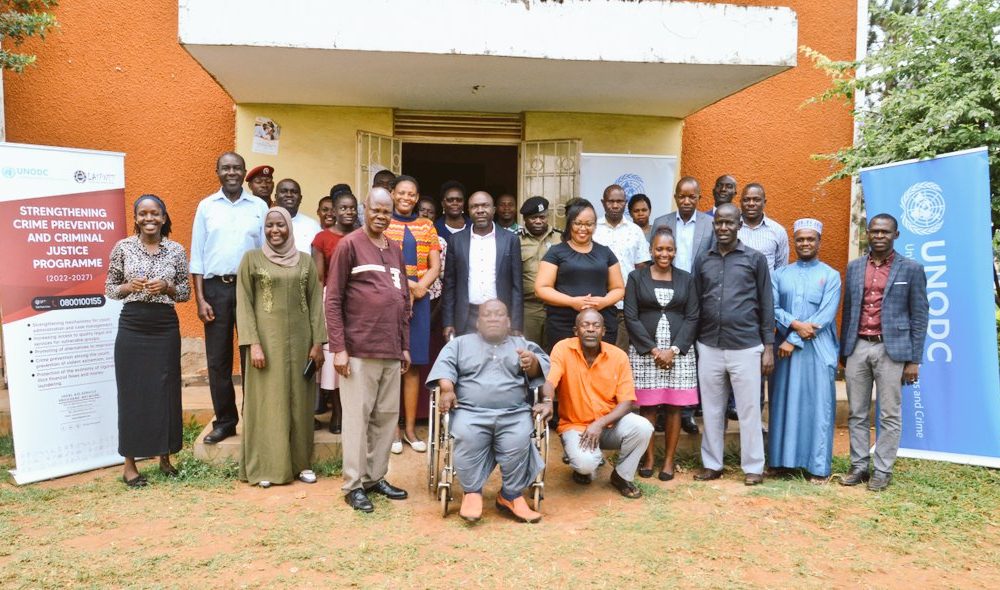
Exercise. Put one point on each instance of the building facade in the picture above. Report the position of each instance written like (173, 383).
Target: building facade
(507, 93)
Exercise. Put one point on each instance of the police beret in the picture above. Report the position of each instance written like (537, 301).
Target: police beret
(260, 171)
(535, 205)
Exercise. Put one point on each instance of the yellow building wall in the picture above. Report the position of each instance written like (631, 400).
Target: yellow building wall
(317, 147)
(608, 134)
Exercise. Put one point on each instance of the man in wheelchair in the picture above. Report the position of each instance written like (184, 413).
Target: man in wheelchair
(485, 378)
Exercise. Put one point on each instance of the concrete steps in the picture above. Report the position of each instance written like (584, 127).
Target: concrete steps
(325, 445)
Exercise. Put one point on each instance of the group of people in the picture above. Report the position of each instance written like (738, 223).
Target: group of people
(614, 320)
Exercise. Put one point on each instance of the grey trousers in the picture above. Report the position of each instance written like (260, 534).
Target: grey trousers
(629, 436)
(485, 438)
(869, 364)
(717, 368)
(369, 399)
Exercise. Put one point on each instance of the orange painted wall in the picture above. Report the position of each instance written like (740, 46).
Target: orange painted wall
(764, 134)
(113, 77)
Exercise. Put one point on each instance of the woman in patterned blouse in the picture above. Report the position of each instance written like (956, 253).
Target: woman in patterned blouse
(422, 254)
(150, 273)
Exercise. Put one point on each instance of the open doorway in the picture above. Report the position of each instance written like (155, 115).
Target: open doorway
(492, 168)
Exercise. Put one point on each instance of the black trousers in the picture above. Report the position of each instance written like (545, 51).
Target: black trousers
(221, 296)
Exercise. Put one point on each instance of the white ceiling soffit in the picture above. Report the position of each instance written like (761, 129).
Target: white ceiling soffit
(650, 58)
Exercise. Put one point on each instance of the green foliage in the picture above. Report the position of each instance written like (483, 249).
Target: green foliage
(19, 20)
(931, 85)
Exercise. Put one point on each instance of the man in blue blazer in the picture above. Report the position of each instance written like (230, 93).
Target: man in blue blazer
(483, 264)
(693, 235)
(882, 333)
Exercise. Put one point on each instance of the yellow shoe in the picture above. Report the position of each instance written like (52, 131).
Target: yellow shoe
(518, 508)
(472, 507)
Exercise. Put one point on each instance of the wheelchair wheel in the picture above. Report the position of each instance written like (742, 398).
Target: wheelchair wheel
(443, 497)
(536, 499)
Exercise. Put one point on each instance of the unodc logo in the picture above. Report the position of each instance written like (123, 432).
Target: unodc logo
(8, 172)
(632, 183)
(923, 208)
(80, 176)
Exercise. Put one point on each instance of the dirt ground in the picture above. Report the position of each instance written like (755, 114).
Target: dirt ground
(88, 531)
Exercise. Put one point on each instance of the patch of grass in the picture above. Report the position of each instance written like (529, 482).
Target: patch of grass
(328, 467)
(6, 445)
(193, 472)
(929, 499)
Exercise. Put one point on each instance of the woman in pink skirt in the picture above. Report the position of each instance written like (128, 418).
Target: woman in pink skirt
(661, 313)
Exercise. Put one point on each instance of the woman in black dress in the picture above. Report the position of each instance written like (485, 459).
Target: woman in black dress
(150, 273)
(579, 274)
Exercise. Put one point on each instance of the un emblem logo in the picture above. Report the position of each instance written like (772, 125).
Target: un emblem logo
(923, 208)
(632, 183)
(8, 172)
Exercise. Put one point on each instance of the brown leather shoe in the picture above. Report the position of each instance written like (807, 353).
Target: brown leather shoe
(624, 487)
(855, 476)
(472, 507)
(753, 479)
(518, 508)
(707, 474)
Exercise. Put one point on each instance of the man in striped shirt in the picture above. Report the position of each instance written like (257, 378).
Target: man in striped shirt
(760, 232)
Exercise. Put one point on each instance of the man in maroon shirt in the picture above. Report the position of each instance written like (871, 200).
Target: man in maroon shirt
(367, 316)
(883, 330)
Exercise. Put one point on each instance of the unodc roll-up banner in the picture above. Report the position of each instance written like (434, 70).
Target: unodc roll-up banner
(943, 206)
(62, 213)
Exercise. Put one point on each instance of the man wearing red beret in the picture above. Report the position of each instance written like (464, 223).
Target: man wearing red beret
(261, 182)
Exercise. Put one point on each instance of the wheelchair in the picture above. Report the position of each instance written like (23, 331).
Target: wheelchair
(440, 453)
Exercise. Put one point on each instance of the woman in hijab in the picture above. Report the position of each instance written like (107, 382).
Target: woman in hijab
(150, 273)
(279, 309)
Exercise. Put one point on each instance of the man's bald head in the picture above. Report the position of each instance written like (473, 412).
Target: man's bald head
(378, 195)
(493, 322)
(589, 329)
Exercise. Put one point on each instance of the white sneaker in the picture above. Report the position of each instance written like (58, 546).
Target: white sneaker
(397, 447)
(264, 484)
(307, 476)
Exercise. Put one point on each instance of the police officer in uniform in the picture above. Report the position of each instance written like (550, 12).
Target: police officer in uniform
(536, 239)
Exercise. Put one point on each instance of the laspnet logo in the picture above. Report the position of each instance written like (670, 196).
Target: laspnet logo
(83, 176)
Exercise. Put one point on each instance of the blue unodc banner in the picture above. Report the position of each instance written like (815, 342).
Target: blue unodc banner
(943, 206)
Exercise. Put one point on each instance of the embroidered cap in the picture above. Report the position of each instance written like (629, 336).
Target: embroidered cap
(808, 223)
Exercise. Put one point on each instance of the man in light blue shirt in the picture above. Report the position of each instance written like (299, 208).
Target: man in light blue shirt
(227, 224)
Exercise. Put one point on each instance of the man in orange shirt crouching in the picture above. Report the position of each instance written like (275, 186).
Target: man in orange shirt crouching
(593, 380)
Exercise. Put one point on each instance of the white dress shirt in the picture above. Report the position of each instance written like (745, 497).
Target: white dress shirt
(684, 241)
(223, 231)
(628, 243)
(304, 228)
(483, 267)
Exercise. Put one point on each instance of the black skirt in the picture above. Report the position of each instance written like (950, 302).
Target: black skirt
(148, 372)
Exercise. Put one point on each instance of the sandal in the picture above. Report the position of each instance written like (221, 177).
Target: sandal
(136, 482)
(169, 471)
(417, 445)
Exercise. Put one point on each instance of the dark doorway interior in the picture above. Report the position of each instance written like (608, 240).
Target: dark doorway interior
(479, 167)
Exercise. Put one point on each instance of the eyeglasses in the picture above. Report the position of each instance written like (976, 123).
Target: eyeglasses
(584, 224)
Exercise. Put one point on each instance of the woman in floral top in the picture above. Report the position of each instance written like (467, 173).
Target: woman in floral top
(150, 273)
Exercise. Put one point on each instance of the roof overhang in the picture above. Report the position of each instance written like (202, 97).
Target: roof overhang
(648, 58)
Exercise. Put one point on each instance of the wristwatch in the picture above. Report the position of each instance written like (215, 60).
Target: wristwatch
(675, 350)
